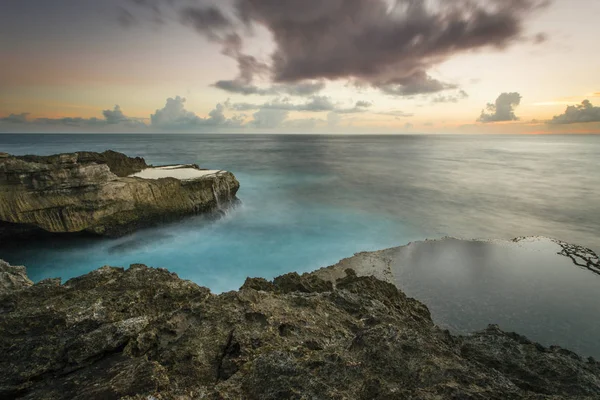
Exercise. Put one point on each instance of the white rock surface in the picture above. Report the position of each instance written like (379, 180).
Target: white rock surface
(182, 172)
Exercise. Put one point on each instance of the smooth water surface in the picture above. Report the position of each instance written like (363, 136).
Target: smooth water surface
(310, 200)
(526, 287)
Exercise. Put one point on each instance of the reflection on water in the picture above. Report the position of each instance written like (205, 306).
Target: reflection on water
(527, 287)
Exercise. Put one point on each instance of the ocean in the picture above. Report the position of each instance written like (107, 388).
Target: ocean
(309, 200)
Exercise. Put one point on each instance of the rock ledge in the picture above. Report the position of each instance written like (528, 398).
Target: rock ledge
(96, 193)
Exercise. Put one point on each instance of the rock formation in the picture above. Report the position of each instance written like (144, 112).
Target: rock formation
(94, 193)
(143, 333)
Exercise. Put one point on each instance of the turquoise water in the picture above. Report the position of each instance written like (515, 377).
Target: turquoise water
(310, 200)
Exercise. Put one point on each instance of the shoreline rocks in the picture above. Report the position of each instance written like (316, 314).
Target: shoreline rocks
(143, 333)
(95, 193)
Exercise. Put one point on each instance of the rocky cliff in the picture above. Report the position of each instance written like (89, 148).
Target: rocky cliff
(143, 333)
(94, 192)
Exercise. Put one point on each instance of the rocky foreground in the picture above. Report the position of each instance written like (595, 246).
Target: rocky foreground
(143, 333)
(97, 193)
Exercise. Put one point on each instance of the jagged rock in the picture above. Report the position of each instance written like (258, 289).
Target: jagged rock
(118, 163)
(143, 333)
(93, 192)
(13, 278)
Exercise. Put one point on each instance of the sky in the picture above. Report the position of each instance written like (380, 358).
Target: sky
(300, 66)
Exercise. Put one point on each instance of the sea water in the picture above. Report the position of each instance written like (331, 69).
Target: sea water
(309, 200)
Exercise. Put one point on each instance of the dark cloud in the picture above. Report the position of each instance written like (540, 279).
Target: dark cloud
(368, 42)
(451, 98)
(239, 87)
(388, 45)
(15, 118)
(502, 109)
(216, 27)
(582, 113)
(418, 83)
(209, 21)
(174, 116)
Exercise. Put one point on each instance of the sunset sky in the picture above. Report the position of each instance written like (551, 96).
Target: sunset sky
(301, 66)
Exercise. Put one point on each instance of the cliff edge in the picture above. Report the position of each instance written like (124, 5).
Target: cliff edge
(100, 193)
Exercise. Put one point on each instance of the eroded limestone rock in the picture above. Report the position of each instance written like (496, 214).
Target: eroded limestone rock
(143, 333)
(92, 192)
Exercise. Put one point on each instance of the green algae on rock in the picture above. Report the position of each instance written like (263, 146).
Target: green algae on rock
(143, 333)
(96, 193)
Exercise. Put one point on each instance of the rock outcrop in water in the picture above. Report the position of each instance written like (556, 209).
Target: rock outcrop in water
(94, 192)
(143, 333)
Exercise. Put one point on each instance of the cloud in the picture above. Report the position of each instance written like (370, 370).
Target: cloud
(239, 86)
(502, 109)
(370, 42)
(417, 83)
(111, 117)
(174, 116)
(71, 121)
(15, 118)
(395, 113)
(363, 104)
(359, 107)
(115, 116)
(582, 113)
(408, 126)
(540, 38)
(453, 98)
(269, 118)
(314, 104)
(209, 21)
(308, 88)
